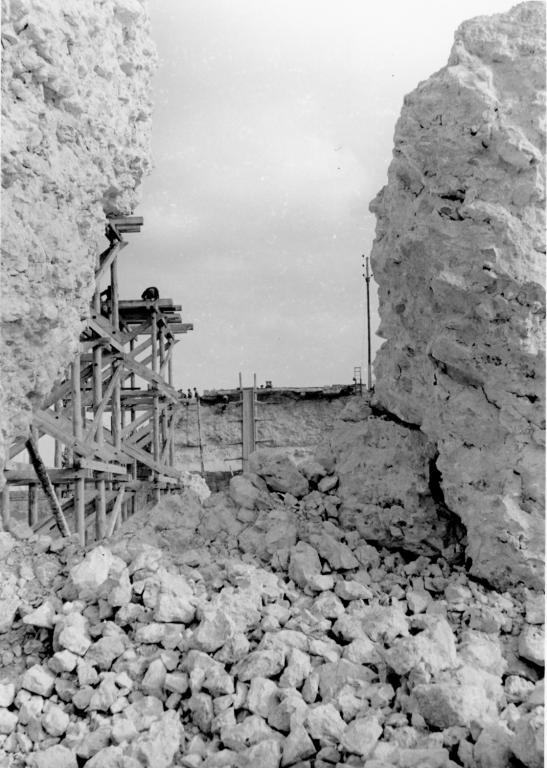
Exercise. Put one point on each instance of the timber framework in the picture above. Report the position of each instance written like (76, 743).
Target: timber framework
(110, 423)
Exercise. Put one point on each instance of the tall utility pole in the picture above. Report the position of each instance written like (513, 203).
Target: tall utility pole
(366, 275)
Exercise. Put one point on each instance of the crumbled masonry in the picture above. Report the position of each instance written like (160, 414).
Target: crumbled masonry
(253, 629)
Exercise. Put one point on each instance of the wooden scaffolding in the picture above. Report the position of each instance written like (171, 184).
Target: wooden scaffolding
(111, 420)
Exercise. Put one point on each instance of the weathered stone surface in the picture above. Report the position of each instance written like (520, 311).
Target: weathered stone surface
(532, 644)
(385, 484)
(297, 746)
(56, 757)
(446, 704)
(243, 492)
(459, 260)
(38, 679)
(279, 472)
(361, 736)
(63, 70)
(528, 742)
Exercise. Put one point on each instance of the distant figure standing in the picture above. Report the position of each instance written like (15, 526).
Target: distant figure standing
(150, 294)
(196, 394)
(189, 391)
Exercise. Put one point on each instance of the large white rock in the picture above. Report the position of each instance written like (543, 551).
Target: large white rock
(459, 259)
(279, 472)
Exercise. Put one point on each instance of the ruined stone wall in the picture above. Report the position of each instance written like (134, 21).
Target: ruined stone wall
(75, 145)
(459, 257)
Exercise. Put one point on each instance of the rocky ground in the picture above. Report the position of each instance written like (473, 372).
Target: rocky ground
(252, 630)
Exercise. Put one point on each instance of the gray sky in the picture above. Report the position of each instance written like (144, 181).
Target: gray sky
(272, 131)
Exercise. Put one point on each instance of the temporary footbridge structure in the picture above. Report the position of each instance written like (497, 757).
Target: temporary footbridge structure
(112, 419)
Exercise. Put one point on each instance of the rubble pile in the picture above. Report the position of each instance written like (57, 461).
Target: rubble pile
(253, 630)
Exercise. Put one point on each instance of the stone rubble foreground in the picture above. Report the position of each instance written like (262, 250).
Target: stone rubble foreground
(252, 630)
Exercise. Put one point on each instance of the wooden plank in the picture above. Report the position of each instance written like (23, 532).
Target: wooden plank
(181, 327)
(115, 512)
(140, 304)
(47, 487)
(148, 375)
(60, 428)
(107, 258)
(103, 329)
(97, 420)
(28, 476)
(148, 461)
(102, 466)
(5, 503)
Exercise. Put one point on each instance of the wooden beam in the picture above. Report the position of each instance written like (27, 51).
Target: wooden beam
(115, 512)
(79, 484)
(99, 413)
(107, 258)
(60, 428)
(101, 466)
(47, 486)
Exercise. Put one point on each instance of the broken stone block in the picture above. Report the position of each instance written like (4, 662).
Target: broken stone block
(143, 712)
(361, 651)
(348, 589)
(54, 719)
(297, 746)
(323, 723)
(333, 676)
(260, 664)
(327, 483)
(103, 652)
(279, 472)
(265, 754)
(38, 679)
(63, 661)
(312, 470)
(7, 694)
(88, 575)
(290, 711)
(361, 736)
(446, 704)
(297, 670)
(532, 644)
(154, 680)
(243, 492)
(250, 731)
(158, 746)
(304, 564)
(492, 748)
(528, 742)
(535, 608)
(71, 632)
(123, 729)
(175, 600)
(42, 616)
(8, 721)
(262, 697)
(104, 696)
(56, 756)
(483, 651)
(176, 682)
(8, 609)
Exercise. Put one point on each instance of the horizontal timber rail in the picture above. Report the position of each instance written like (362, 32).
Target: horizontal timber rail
(110, 423)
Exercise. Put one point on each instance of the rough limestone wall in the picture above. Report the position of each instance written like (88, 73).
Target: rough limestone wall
(459, 257)
(295, 426)
(75, 145)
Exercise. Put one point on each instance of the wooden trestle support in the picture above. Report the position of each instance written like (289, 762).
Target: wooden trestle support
(112, 418)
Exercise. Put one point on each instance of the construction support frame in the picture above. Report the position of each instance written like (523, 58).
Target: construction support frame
(112, 418)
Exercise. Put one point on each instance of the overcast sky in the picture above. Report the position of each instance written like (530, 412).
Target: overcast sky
(272, 131)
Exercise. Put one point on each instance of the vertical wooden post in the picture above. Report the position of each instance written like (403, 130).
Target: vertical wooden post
(79, 483)
(33, 490)
(132, 380)
(100, 503)
(116, 420)
(163, 417)
(200, 440)
(170, 371)
(155, 411)
(58, 450)
(5, 500)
